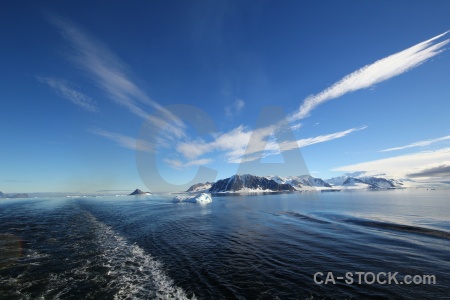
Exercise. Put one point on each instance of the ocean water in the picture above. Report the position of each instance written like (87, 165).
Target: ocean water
(237, 247)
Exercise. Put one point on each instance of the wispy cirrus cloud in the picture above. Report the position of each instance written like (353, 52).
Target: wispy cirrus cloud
(402, 165)
(372, 74)
(366, 77)
(235, 145)
(235, 108)
(179, 165)
(419, 144)
(274, 147)
(232, 143)
(328, 137)
(63, 88)
(296, 127)
(112, 75)
(124, 141)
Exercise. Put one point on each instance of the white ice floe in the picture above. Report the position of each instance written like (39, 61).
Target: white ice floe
(202, 198)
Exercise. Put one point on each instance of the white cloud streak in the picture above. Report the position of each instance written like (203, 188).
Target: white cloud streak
(233, 143)
(372, 74)
(124, 141)
(62, 88)
(402, 165)
(327, 137)
(235, 108)
(418, 144)
(236, 143)
(296, 127)
(111, 74)
(273, 147)
(179, 165)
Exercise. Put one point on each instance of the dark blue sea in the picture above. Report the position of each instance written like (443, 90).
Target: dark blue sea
(237, 247)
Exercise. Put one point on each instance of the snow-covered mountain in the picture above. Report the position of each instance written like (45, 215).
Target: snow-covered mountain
(200, 187)
(274, 183)
(248, 183)
(362, 181)
(299, 182)
(341, 179)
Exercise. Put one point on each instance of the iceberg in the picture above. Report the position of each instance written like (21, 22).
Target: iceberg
(202, 198)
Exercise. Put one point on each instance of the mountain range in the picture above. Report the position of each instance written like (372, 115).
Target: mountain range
(252, 183)
(21, 195)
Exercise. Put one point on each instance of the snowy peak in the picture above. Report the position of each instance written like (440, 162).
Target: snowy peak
(275, 183)
(200, 187)
(337, 180)
(308, 180)
(377, 183)
(300, 181)
(360, 180)
(248, 183)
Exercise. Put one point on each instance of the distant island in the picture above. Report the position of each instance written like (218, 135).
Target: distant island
(248, 183)
(139, 192)
(14, 196)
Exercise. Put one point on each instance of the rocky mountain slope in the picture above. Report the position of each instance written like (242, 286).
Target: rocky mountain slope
(252, 183)
(248, 183)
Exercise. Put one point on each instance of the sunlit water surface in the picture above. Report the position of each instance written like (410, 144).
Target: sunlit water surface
(237, 247)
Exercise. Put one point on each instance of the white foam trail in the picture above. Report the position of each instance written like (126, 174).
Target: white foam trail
(130, 272)
(135, 273)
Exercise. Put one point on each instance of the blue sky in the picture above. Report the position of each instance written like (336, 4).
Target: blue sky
(360, 86)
